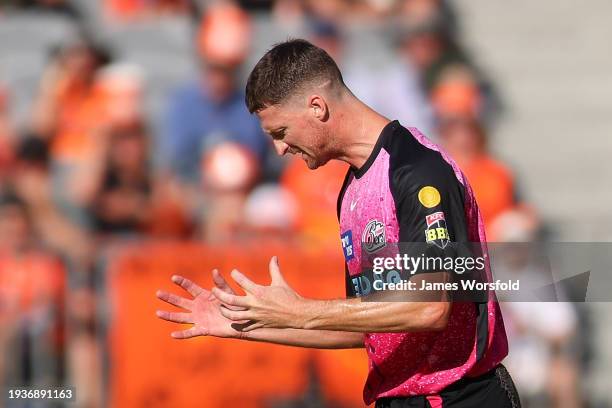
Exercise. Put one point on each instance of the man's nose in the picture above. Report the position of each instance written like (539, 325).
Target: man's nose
(281, 147)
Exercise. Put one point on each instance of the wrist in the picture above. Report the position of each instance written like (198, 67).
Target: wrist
(309, 313)
(242, 335)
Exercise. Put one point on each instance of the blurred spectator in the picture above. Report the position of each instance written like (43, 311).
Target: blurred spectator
(68, 112)
(391, 90)
(32, 184)
(121, 203)
(122, 87)
(226, 191)
(456, 93)
(65, 7)
(458, 104)
(31, 181)
(128, 10)
(288, 13)
(415, 12)
(66, 93)
(429, 47)
(541, 335)
(330, 10)
(211, 110)
(542, 362)
(270, 212)
(6, 135)
(31, 301)
(119, 188)
(465, 140)
(316, 195)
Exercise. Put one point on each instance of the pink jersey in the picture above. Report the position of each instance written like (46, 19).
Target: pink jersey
(405, 189)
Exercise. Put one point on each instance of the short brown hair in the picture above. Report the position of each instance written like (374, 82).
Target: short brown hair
(286, 68)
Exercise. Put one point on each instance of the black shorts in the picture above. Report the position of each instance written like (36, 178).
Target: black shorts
(493, 389)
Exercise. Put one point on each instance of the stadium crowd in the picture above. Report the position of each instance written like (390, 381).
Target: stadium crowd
(104, 156)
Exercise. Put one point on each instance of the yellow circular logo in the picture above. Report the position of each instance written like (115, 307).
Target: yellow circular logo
(429, 196)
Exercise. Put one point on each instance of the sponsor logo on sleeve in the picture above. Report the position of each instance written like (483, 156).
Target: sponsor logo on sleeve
(436, 232)
(373, 237)
(347, 245)
(429, 196)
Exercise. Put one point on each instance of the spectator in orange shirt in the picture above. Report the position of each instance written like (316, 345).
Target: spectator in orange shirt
(457, 102)
(492, 181)
(67, 112)
(31, 299)
(316, 194)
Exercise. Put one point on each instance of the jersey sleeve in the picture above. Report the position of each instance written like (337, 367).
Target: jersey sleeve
(430, 211)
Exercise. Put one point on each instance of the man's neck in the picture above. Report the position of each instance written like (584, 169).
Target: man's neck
(358, 131)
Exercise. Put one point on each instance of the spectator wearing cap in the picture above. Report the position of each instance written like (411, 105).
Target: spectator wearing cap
(211, 110)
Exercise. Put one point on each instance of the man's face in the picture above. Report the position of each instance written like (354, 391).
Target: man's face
(296, 130)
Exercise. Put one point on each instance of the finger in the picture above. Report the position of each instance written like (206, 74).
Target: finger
(193, 289)
(244, 282)
(221, 283)
(235, 315)
(275, 273)
(174, 299)
(175, 316)
(187, 334)
(228, 299)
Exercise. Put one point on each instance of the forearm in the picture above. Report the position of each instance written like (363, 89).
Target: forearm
(401, 312)
(322, 339)
(355, 315)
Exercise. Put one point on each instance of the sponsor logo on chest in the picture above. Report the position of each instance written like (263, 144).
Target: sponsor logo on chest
(373, 237)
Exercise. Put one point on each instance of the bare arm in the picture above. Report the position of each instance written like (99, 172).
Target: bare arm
(204, 314)
(320, 339)
(279, 306)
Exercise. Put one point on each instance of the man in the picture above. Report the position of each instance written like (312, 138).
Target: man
(207, 112)
(399, 188)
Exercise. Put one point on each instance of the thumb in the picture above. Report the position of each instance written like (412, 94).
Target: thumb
(275, 273)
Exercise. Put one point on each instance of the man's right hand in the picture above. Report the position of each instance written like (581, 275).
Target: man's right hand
(203, 310)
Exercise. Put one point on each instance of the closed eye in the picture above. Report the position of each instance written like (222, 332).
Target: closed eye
(278, 134)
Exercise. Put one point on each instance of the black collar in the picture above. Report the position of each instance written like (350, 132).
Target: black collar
(387, 131)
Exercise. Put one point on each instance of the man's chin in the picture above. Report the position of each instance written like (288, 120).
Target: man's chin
(311, 164)
(314, 164)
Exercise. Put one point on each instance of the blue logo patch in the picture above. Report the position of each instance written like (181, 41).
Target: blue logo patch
(347, 245)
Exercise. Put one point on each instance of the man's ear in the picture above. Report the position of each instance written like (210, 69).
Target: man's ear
(318, 107)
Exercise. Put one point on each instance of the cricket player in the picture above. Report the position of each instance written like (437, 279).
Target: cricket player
(400, 188)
